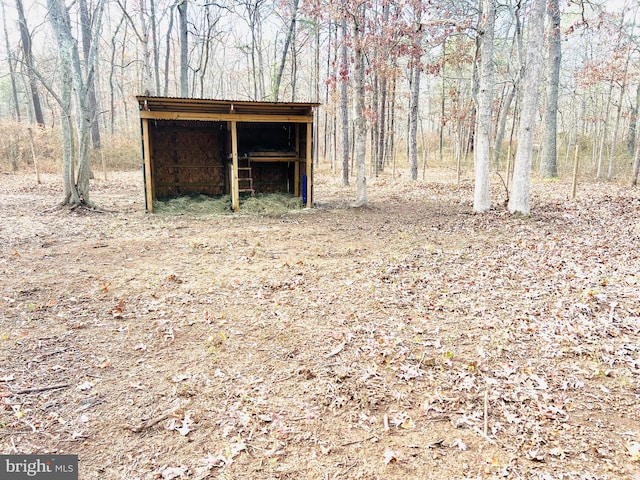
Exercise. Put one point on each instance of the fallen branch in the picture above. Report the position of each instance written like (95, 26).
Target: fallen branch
(152, 422)
(42, 389)
(358, 441)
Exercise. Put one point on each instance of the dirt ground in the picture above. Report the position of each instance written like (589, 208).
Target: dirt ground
(410, 339)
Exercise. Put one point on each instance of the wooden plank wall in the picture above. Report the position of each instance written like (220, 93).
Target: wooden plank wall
(188, 157)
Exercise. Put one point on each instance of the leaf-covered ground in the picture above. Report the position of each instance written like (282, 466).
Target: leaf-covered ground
(410, 339)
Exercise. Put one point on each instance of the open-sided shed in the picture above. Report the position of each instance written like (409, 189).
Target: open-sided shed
(219, 147)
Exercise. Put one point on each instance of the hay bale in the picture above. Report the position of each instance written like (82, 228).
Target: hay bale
(198, 204)
(270, 204)
(195, 204)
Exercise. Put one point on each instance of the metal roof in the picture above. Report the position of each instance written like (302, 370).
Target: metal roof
(209, 109)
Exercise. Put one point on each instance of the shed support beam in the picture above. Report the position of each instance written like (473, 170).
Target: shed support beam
(235, 194)
(148, 166)
(309, 164)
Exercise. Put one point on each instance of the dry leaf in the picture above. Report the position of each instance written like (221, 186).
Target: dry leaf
(460, 444)
(85, 386)
(169, 473)
(390, 456)
(633, 448)
(336, 350)
(408, 424)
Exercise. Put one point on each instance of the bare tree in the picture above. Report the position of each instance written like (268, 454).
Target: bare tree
(482, 150)
(142, 33)
(76, 186)
(382, 114)
(253, 11)
(290, 33)
(92, 101)
(519, 200)
(414, 95)
(360, 122)
(167, 53)
(512, 86)
(549, 156)
(10, 61)
(344, 109)
(184, 48)
(25, 37)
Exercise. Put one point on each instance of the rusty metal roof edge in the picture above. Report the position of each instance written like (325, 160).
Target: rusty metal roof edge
(214, 101)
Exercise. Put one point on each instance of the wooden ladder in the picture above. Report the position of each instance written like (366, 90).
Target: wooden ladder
(245, 177)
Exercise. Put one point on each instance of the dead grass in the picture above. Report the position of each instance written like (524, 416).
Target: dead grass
(261, 204)
(408, 339)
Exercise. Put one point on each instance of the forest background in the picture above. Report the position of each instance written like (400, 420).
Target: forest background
(409, 339)
(402, 84)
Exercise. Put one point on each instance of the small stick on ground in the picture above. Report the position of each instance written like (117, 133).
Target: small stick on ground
(486, 409)
(358, 441)
(42, 389)
(150, 423)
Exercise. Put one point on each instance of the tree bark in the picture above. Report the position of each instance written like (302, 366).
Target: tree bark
(549, 155)
(167, 52)
(360, 123)
(184, 49)
(154, 45)
(519, 200)
(382, 113)
(76, 186)
(414, 99)
(12, 72)
(482, 149)
(636, 168)
(344, 110)
(283, 59)
(92, 101)
(25, 36)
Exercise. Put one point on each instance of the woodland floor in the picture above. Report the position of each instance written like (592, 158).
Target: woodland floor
(408, 340)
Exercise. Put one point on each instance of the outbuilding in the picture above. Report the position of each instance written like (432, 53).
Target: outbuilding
(220, 147)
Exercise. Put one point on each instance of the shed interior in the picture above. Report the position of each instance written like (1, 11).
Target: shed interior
(194, 146)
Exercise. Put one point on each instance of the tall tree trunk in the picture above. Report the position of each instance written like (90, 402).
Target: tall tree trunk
(414, 99)
(154, 45)
(344, 110)
(614, 143)
(414, 96)
(549, 156)
(148, 85)
(636, 168)
(502, 124)
(633, 123)
(506, 106)
(390, 147)
(519, 200)
(76, 186)
(12, 72)
(25, 36)
(275, 92)
(482, 150)
(92, 101)
(184, 49)
(360, 122)
(112, 70)
(167, 52)
(382, 114)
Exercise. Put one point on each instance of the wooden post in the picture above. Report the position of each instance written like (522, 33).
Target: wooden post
(574, 183)
(148, 166)
(309, 164)
(235, 194)
(296, 165)
(33, 155)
